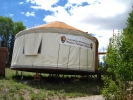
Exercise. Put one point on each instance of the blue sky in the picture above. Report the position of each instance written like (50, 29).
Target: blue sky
(97, 17)
(15, 10)
(20, 10)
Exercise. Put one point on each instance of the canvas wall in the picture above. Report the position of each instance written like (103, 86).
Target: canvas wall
(54, 50)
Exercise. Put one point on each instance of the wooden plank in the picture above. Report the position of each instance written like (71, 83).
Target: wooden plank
(101, 53)
(37, 78)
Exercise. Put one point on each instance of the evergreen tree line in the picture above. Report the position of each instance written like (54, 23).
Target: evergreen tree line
(8, 30)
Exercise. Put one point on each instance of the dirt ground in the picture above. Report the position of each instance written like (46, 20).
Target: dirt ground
(96, 97)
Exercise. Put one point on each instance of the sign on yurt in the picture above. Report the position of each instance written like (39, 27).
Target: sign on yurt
(55, 47)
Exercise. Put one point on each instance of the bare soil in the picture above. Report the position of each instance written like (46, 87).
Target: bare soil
(95, 97)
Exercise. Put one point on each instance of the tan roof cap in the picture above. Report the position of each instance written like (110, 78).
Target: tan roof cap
(57, 24)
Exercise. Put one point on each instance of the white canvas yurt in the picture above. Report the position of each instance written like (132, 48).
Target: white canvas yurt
(55, 48)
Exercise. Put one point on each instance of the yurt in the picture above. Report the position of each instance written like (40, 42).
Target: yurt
(55, 48)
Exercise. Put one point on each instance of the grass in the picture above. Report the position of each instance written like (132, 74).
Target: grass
(13, 88)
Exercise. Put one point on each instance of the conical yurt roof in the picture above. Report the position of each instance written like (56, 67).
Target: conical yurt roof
(57, 24)
(56, 27)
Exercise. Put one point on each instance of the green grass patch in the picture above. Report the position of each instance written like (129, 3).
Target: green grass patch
(13, 88)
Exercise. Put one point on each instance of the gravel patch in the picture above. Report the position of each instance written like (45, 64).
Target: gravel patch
(95, 97)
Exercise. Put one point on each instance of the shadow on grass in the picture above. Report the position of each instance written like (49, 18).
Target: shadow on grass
(59, 85)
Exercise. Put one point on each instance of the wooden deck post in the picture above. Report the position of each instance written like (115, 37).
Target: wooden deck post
(99, 77)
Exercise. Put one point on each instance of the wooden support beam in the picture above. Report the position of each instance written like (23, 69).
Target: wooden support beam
(37, 77)
(101, 53)
(99, 77)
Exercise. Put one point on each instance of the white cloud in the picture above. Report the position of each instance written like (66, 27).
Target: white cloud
(80, 2)
(11, 15)
(22, 12)
(99, 17)
(21, 3)
(27, 0)
(36, 7)
(43, 4)
(30, 14)
(32, 1)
